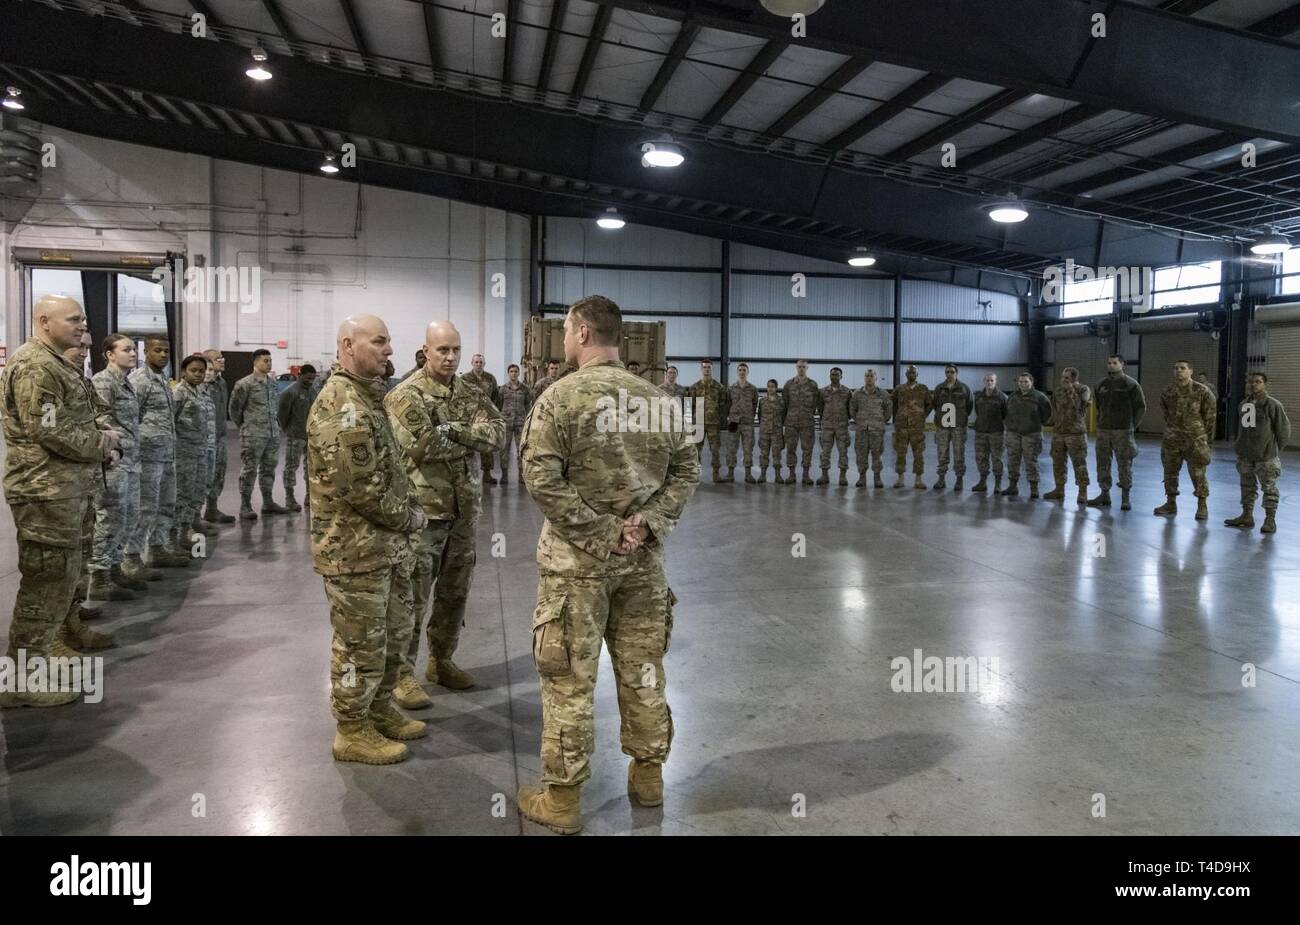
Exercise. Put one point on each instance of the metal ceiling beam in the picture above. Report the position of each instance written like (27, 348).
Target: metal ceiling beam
(358, 39)
(1185, 7)
(558, 9)
(281, 24)
(1158, 161)
(592, 49)
(765, 58)
(205, 11)
(431, 35)
(1281, 23)
(508, 53)
(1023, 139)
(955, 125)
(887, 110)
(1148, 63)
(681, 45)
(818, 95)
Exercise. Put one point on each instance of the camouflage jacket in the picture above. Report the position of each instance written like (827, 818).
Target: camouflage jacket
(115, 393)
(836, 400)
(254, 407)
(1189, 412)
(540, 385)
(715, 398)
(157, 412)
(361, 500)
(445, 474)
(742, 403)
(771, 414)
(990, 412)
(191, 439)
(871, 409)
(1070, 409)
(912, 404)
(209, 409)
(515, 402)
(220, 395)
(292, 410)
(486, 383)
(586, 478)
(803, 401)
(1264, 431)
(959, 396)
(52, 426)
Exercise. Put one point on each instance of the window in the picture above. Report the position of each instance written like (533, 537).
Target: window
(1189, 284)
(1290, 264)
(139, 306)
(1088, 297)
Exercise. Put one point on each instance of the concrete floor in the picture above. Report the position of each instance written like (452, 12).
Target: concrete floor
(1117, 675)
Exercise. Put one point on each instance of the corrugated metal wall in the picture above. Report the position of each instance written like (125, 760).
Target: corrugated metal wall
(924, 299)
(1087, 354)
(1159, 354)
(1283, 370)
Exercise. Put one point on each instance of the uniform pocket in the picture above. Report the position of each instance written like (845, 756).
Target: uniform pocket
(1200, 452)
(550, 642)
(668, 620)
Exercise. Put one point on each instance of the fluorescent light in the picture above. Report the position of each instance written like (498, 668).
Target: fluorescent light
(1009, 212)
(258, 71)
(611, 219)
(792, 7)
(661, 154)
(1272, 243)
(861, 258)
(11, 100)
(329, 165)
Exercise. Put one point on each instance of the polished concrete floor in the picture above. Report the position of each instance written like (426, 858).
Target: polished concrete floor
(1119, 675)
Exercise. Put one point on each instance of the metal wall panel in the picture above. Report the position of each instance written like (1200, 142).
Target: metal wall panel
(813, 340)
(925, 299)
(581, 241)
(995, 345)
(748, 257)
(636, 290)
(1159, 353)
(1283, 368)
(1087, 354)
(849, 298)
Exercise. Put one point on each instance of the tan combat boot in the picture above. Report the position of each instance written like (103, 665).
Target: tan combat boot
(410, 695)
(1202, 509)
(391, 724)
(82, 637)
(29, 699)
(133, 566)
(1057, 493)
(206, 529)
(844, 477)
(919, 484)
(645, 783)
(1246, 521)
(123, 580)
(445, 672)
(807, 479)
(102, 588)
(361, 742)
(825, 478)
(1169, 507)
(556, 807)
(1270, 521)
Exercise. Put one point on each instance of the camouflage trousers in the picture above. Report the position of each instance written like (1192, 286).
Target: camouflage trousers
(81, 588)
(157, 501)
(1124, 448)
(1028, 446)
(371, 616)
(633, 614)
(1073, 447)
(835, 436)
(713, 437)
(770, 446)
(946, 439)
(869, 445)
(1265, 472)
(800, 437)
(295, 458)
(740, 439)
(189, 494)
(49, 565)
(205, 478)
(1196, 453)
(486, 462)
(513, 432)
(116, 512)
(986, 446)
(904, 438)
(445, 554)
(258, 456)
(219, 469)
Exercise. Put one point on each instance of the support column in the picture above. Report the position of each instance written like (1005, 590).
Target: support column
(725, 338)
(898, 328)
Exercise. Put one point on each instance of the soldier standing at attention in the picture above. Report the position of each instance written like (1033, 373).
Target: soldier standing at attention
(1189, 428)
(835, 426)
(1027, 411)
(291, 415)
(486, 383)
(552, 374)
(220, 403)
(1265, 429)
(53, 454)
(118, 507)
(610, 500)
(440, 423)
(911, 407)
(253, 409)
(990, 440)
(953, 404)
(1120, 407)
(191, 448)
(742, 403)
(803, 402)
(871, 409)
(771, 414)
(157, 463)
(515, 402)
(1070, 402)
(715, 399)
(362, 518)
(209, 409)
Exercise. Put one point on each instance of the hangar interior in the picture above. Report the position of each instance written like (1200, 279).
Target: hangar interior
(489, 136)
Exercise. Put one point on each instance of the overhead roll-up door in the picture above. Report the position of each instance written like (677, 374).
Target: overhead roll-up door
(1283, 358)
(1159, 354)
(1086, 354)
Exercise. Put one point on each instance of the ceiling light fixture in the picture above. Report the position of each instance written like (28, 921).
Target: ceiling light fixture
(11, 100)
(611, 219)
(259, 71)
(790, 8)
(330, 164)
(662, 153)
(1008, 212)
(861, 258)
(1271, 243)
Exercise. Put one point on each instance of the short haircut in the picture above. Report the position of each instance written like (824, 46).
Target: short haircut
(111, 341)
(212, 353)
(552, 363)
(706, 360)
(192, 359)
(1188, 362)
(836, 369)
(602, 316)
(774, 382)
(306, 368)
(742, 363)
(419, 355)
(162, 339)
(952, 366)
(1116, 356)
(1026, 374)
(673, 368)
(1260, 373)
(797, 362)
(260, 352)
(512, 366)
(1070, 369)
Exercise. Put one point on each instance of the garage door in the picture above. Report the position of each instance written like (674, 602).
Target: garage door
(1086, 354)
(1159, 354)
(1283, 370)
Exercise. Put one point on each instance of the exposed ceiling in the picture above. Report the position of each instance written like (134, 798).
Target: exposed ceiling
(1129, 145)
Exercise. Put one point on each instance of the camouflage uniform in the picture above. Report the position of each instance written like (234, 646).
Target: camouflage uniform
(191, 450)
(715, 397)
(486, 383)
(803, 401)
(676, 391)
(118, 507)
(871, 409)
(771, 413)
(253, 408)
(1026, 414)
(53, 455)
(447, 485)
(835, 424)
(157, 459)
(742, 403)
(541, 385)
(291, 415)
(1259, 450)
(208, 406)
(958, 396)
(586, 481)
(911, 407)
(220, 393)
(1070, 433)
(1189, 427)
(1120, 407)
(990, 440)
(361, 516)
(515, 402)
